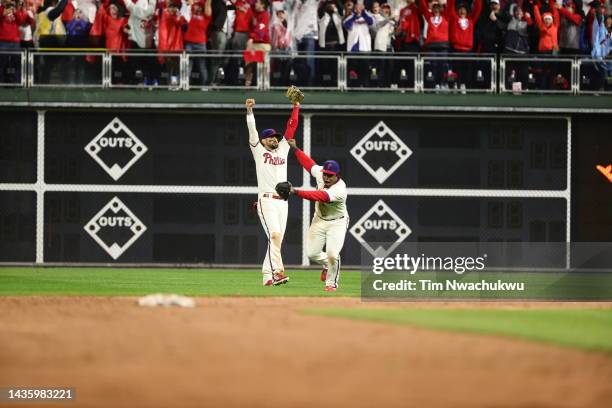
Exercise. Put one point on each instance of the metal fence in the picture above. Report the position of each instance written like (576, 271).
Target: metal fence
(13, 68)
(323, 71)
(529, 75)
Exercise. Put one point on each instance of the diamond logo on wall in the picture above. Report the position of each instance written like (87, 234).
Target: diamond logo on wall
(116, 148)
(115, 228)
(381, 140)
(380, 224)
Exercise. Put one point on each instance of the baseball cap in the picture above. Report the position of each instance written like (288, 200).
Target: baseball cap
(495, 1)
(269, 133)
(331, 167)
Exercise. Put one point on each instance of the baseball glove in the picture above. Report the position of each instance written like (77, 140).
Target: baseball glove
(294, 94)
(283, 189)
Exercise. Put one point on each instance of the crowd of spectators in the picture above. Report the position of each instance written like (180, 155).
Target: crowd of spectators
(254, 27)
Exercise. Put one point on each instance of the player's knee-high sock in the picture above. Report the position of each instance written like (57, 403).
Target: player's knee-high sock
(266, 268)
(275, 254)
(333, 272)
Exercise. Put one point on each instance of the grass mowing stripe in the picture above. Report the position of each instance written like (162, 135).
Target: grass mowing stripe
(589, 329)
(141, 281)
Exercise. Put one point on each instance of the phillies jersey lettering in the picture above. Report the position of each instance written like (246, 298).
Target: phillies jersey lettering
(276, 161)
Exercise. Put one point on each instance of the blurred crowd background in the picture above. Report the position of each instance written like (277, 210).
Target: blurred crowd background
(252, 28)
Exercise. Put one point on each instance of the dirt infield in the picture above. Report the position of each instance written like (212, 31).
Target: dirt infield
(260, 352)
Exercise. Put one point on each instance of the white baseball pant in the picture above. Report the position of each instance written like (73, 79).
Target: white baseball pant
(273, 216)
(328, 234)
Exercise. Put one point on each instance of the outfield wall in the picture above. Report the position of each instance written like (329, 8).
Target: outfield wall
(176, 186)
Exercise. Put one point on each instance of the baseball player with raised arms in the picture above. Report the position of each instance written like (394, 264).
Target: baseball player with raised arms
(330, 221)
(270, 150)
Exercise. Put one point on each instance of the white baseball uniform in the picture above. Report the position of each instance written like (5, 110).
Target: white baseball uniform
(271, 167)
(328, 227)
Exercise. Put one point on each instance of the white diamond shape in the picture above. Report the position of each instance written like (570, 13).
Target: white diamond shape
(115, 250)
(402, 152)
(114, 170)
(380, 208)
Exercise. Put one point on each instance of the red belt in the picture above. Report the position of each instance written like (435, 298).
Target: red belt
(268, 195)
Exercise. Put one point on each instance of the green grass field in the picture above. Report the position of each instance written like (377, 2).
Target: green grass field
(189, 282)
(582, 328)
(589, 329)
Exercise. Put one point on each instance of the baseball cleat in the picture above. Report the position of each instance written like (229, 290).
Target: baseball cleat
(280, 278)
(324, 275)
(269, 282)
(329, 289)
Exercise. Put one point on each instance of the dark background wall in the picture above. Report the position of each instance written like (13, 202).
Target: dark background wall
(592, 193)
(209, 149)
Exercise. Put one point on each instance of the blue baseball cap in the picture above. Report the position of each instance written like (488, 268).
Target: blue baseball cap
(269, 133)
(331, 167)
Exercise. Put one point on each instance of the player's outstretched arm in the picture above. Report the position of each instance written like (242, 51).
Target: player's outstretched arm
(285, 189)
(292, 123)
(312, 195)
(305, 161)
(250, 119)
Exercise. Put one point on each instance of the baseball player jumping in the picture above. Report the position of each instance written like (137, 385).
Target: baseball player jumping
(270, 150)
(330, 221)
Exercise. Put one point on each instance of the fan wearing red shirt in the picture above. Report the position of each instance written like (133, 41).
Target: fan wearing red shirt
(259, 37)
(436, 40)
(548, 24)
(242, 24)
(462, 25)
(170, 34)
(408, 31)
(170, 38)
(437, 26)
(461, 33)
(113, 28)
(195, 37)
(11, 18)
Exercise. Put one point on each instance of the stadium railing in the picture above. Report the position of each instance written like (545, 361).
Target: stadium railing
(594, 76)
(380, 72)
(452, 73)
(13, 67)
(74, 69)
(469, 73)
(284, 69)
(538, 75)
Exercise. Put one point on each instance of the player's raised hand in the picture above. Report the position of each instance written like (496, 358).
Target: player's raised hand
(250, 103)
(292, 143)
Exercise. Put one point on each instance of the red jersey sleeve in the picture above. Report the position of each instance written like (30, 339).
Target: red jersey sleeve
(424, 9)
(573, 17)
(305, 161)
(313, 195)
(292, 123)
